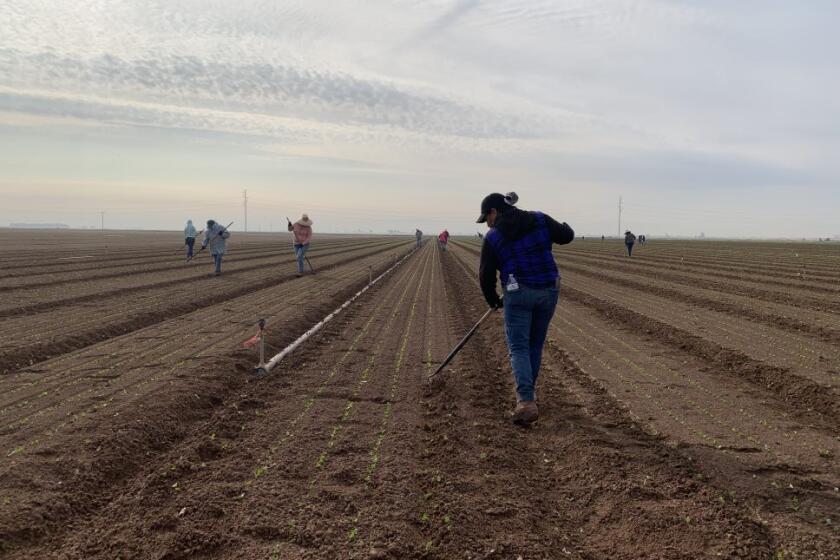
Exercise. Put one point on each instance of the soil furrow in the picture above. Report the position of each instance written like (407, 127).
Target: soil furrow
(129, 314)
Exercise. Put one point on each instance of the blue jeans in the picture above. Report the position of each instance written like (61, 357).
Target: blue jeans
(300, 253)
(629, 249)
(528, 313)
(190, 243)
(218, 260)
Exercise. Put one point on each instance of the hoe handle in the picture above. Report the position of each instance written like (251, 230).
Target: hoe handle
(463, 342)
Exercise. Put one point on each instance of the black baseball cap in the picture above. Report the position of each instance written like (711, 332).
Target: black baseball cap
(492, 201)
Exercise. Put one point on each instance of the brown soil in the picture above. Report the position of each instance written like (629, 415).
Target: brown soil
(653, 442)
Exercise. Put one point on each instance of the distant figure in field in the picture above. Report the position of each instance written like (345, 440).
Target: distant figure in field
(602, 238)
(302, 230)
(480, 236)
(215, 238)
(642, 240)
(629, 240)
(443, 239)
(419, 235)
(189, 238)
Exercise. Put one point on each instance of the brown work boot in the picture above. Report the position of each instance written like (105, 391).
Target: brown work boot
(525, 413)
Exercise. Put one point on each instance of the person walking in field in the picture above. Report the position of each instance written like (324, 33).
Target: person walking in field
(302, 231)
(215, 239)
(443, 239)
(629, 241)
(190, 234)
(518, 246)
(419, 235)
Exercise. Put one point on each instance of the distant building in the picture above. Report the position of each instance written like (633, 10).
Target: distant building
(39, 226)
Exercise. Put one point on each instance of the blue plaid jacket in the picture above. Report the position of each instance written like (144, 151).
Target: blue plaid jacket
(529, 258)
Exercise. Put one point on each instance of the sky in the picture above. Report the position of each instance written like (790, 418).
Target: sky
(705, 116)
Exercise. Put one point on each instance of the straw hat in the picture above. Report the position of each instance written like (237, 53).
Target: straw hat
(304, 221)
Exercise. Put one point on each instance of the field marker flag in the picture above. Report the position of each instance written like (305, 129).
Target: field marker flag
(251, 342)
(258, 338)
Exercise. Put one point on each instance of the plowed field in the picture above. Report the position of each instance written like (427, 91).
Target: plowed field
(689, 404)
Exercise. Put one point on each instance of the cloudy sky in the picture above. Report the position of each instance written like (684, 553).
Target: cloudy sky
(713, 116)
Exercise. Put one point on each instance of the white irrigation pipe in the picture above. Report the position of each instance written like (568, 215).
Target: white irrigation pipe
(265, 368)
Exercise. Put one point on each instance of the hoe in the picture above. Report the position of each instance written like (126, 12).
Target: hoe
(462, 343)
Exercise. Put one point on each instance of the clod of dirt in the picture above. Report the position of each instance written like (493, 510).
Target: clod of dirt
(377, 553)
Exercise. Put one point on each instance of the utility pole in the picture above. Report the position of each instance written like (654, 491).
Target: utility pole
(619, 217)
(245, 204)
(102, 220)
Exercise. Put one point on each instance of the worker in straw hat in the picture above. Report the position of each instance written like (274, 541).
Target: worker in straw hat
(518, 246)
(302, 230)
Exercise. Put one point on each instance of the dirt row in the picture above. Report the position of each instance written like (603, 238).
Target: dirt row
(24, 300)
(643, 450)
(735, 430)
(54, 251)
(132, 396)
(818, 324)
(345, 452)
(815, 400)
(755, 285)
(37, 336)
(613, 490)
(772, 262)
(800, 353)
(787, 313)
(160, 265)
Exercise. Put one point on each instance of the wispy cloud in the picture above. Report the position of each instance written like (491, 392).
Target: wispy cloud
(617, 93)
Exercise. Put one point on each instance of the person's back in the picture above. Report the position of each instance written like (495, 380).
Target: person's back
(189, 230)
(629, 240)
(189, 238)
(519, 246)
(215, 239)
(302, 233)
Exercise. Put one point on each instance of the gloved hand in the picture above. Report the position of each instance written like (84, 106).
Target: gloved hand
(499, 304)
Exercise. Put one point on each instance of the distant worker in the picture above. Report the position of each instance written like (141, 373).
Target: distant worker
(629, 240)
(302, 230)
(443, 239)
(518, 245)
(642, 240)
(189, 238)
(215, 239)
(480, 236)
(602, 238)
(419, 235)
